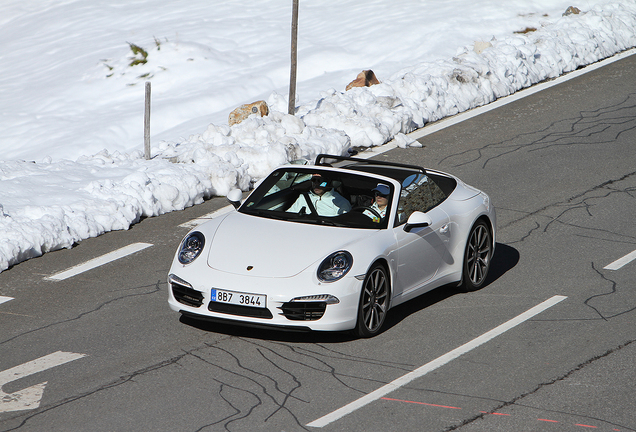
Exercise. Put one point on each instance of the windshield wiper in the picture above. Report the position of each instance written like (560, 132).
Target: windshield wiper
(265, 213)
(332, 223)
(295, 217)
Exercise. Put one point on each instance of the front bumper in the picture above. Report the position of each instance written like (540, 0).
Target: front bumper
(190, 293)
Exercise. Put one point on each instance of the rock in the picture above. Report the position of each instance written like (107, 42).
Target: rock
(572, 10)
(480, 46)
(366, 78)
(244, 111)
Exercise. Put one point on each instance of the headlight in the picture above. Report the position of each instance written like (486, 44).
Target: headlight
(335, 266)
(191, 247)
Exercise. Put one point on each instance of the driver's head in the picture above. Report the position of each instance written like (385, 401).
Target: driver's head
(320, 184)
(381, 192)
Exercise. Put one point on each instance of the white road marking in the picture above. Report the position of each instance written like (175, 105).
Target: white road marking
(30, 397)
(5, 299)
(621, 261)
(99, 261)
(198, 221)
(450, 121)
(438, 362)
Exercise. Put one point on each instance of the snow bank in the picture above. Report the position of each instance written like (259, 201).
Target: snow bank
(51, 205)
(54, 205)
(372, 116)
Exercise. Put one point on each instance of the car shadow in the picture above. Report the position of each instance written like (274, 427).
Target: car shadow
(267, 333)
(504, 259)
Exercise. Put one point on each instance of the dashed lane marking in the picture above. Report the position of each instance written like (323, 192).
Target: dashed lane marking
(438, 362)
(99, 261)
(198, 221)
(619, 263)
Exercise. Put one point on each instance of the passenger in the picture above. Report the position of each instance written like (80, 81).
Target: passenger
(380, 203)
(325, 200)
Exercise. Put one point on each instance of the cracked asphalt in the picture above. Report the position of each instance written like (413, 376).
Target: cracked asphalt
(560, 167)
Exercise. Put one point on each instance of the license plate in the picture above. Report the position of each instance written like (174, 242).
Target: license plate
(238, 298)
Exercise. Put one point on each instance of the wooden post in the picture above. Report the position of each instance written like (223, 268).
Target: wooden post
(294, 49)
(147, 123)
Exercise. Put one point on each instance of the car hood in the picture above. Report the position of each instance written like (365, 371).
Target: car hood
(261, 247)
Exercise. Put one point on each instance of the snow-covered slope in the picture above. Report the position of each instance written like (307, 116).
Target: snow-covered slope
(71, 165)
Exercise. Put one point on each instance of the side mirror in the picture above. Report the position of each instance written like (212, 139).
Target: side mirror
(234, 197)
(417, 220)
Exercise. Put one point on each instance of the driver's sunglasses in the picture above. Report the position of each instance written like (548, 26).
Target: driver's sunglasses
(319, 181)
(378, 194)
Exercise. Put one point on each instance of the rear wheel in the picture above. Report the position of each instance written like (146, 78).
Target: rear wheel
(374, 301)
(476, 258)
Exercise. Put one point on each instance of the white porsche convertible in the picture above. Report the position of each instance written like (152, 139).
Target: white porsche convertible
(333, 246)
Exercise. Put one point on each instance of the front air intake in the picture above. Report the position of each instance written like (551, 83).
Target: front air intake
(186, 295)
(303, 311)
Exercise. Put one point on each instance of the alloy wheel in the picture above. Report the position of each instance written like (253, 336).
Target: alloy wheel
(373, 302)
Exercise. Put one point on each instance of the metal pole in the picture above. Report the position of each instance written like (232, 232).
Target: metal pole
(147, 123)
(294, 50)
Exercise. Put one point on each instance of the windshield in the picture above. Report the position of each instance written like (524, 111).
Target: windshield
(312, 195)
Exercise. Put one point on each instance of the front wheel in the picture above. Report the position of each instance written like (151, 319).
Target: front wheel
(374, 302)
(476, 258)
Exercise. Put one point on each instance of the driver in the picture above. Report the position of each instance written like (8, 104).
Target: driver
(325, 200)
(380, 202)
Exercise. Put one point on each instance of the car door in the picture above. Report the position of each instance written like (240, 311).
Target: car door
(420, 251)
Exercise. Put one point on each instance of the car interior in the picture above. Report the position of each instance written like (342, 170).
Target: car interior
(421, 190)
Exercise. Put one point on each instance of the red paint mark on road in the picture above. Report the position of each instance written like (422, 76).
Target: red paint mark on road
(420, 403)
(485, 412)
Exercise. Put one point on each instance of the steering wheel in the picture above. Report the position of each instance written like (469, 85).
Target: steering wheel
(362, 209)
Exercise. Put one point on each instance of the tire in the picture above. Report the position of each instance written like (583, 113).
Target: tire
(374, 302)
(477, 258)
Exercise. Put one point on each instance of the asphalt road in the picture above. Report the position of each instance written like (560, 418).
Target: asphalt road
(560, 167)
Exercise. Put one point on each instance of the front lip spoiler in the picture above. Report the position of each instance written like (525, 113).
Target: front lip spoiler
(231, 322)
